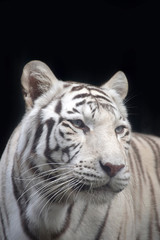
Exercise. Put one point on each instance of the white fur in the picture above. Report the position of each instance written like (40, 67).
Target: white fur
(126, 206)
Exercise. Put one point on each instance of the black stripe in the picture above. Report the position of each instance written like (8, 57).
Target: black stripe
(150, 227)
(5, 208)
(152, 143)
(138, 171)
(66, 85)
(61, 133)
(155, 204)
(70, 112)
(131, 164)
(120, 231)
(83, 213)
(3, 227)
(109, 107)
(98, 90)
(82, 95)
(136, 151)
(126, 134)
(22, 206)
(75, 110)
(104, 98)
(101, 228)
(37, 137)
(30, 133)
(80, 103)
(58, 107)
(50, 124)
(77, 88)
(90, 103)
(66, 150)
(68, 126)
(75, 153)
(74, 146)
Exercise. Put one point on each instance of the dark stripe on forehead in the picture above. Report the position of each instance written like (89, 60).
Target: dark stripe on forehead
(77, 88)
(66, 85)
(80, 103)
(82, 95)
(98, 90)
(103, 97)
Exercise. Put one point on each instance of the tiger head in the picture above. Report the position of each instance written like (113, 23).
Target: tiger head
(74, 137)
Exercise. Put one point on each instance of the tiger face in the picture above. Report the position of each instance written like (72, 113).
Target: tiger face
(81, 136)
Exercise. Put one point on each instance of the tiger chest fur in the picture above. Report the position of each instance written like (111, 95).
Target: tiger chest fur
(72, 169)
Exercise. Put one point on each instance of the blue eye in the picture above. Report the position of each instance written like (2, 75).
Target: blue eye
(78, 123)
(120, 129)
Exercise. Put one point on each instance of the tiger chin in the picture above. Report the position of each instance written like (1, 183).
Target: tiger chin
(73, 169)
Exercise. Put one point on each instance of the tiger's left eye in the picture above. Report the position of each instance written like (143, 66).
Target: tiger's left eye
(78, 123)
(120, 129)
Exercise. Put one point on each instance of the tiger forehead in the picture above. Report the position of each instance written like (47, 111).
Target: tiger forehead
(85, 90)
(89, 88)
(76, 96)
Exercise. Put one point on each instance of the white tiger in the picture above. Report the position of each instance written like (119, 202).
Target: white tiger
(72, 170)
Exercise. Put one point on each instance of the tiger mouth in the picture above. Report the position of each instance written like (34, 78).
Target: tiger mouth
(85, 187)
(91, 189)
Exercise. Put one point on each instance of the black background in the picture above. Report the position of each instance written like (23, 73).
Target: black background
(84, 41)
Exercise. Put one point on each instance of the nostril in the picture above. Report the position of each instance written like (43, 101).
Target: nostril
(111, 169)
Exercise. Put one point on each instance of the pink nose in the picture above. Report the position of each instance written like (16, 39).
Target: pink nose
(111, 169)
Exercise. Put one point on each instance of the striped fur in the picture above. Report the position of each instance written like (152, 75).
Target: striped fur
(72, 169)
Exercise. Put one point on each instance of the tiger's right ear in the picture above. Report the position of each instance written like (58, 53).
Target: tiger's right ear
(37, 78)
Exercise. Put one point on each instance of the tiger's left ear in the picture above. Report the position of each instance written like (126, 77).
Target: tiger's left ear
(119, 83)
(37, 78)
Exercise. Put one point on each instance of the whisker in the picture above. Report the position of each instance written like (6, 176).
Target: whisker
(128, 99)
(72, 187)
(44, 175)
(43, 181)
(46, 194)
(41, 165)
(77, 188)
(41, 174)
(55, 195)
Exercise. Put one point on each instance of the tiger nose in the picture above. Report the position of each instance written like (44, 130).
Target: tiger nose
(111, 169)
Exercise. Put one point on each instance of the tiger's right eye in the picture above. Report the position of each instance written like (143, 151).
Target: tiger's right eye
(120, 129)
